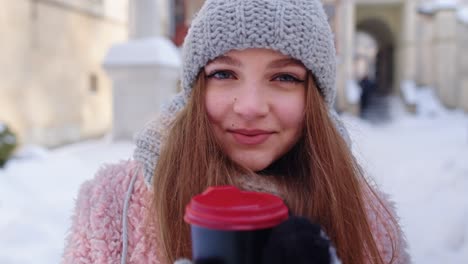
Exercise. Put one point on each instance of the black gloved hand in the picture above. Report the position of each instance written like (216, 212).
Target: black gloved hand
(298, 241)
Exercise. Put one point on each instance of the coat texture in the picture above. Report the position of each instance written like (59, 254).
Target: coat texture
(96, 232)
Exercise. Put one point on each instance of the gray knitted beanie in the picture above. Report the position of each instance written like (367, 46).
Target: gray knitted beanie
(297, 28)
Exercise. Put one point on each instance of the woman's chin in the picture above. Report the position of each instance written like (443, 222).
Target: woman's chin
(253, 164)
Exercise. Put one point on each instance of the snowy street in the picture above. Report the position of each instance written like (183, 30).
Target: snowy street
(420, 160)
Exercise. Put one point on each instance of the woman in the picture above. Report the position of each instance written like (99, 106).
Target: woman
(256, 111)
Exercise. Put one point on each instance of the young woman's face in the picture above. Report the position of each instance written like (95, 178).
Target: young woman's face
(255, 102)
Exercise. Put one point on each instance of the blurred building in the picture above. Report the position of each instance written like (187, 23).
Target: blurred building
(52, 87)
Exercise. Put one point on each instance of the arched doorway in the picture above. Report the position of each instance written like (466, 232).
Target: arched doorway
(381, 74)
(385, 54)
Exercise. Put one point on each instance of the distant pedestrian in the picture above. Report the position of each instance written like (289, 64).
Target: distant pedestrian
(368, 87)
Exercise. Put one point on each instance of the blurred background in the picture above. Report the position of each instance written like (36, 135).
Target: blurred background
(80, 77)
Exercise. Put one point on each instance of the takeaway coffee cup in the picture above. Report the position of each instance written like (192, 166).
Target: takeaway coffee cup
(231, 226)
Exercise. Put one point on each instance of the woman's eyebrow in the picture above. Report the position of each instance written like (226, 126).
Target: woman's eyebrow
(226, 60)
(285, 62)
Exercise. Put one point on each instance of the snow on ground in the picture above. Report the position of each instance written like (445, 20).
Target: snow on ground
(421, 160)
(37, 192)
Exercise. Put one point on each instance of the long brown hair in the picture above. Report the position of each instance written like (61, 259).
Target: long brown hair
(319, 178)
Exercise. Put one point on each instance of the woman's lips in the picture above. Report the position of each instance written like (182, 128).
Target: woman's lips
(250, 137)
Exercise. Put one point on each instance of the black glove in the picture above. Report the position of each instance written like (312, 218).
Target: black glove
(298, 241)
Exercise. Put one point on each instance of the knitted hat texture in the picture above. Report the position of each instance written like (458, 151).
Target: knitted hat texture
(296, 28)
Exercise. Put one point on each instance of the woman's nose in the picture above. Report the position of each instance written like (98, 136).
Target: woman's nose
(251, 102)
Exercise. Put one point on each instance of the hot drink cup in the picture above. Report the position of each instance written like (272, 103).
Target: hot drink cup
(231, 226)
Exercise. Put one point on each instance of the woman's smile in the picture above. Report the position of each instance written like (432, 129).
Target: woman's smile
(250, 136)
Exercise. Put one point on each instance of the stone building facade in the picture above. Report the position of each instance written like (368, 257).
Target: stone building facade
(53, 89)
(442, 53)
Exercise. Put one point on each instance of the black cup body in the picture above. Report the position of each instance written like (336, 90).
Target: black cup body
(228, 247)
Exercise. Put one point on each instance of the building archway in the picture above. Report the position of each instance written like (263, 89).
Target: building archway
(379, 81)
(385, 62)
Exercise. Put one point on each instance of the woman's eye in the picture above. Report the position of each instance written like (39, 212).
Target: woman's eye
(221, 75)
(287, 78)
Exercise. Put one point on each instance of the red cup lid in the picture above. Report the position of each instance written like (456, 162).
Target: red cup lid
(228, 208)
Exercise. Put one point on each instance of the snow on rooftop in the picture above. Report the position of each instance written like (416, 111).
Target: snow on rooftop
(430, 7)
(433, 6)
(150, 51)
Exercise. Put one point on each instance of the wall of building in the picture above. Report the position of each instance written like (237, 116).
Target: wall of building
(445, 57)
(53, 89)
(192, 7)
(462, 37)
(424, 56)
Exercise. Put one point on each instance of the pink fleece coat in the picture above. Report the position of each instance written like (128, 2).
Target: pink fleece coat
(96, 232)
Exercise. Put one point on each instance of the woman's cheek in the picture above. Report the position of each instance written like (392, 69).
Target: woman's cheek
(292, 111)
(216, 104)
